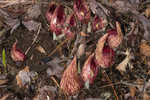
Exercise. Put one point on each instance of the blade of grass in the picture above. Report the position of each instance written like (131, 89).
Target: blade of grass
(4, 60)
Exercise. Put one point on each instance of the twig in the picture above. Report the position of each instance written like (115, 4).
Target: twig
(34, 40)
(122, 82)
(111, 84)
(107, 77)
(55, 81)
(58, 47)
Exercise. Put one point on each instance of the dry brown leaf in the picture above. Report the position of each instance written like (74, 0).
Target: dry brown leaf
(33, 12)
(146, 96)
(4, 97)
(84, 34)
(81, 50)
(19, 81)
(132, 91)
(54, 68)
(147, 12)
(144, 49)
(119, 31)
(3, 82)
(25, 77)
(140, 83)
(31, 25)
(41, 49)
(122, 66)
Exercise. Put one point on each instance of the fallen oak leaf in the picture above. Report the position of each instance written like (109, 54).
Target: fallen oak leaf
(122, 66)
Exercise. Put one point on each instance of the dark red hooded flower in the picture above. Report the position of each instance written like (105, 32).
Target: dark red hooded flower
(17, 54)
(90, 69)
(104, 54)
(108, 57)
(57, 20)
(50, 11)
(71, 82)
(115, 36)
(81, 10)
(99, 23)
(71, 20)
(70, 25)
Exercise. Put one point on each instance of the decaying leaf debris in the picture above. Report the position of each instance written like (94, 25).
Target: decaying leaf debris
(74, 49)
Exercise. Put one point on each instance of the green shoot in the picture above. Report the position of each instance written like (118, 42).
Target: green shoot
(4, 60)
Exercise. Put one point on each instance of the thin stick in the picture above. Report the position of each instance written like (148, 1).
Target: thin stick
(34, 40)
(55, 81)
(122, 82)
(107, 77)
(111, 84)
(58, 47)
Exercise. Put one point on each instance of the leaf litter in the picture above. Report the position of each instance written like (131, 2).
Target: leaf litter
(52, 62)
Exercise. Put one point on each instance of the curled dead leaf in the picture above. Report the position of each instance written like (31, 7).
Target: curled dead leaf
(41, 49)
(122, 66)
(144, 48)
(70, 82)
